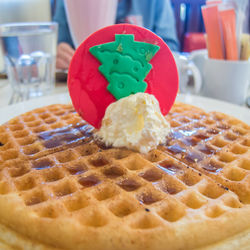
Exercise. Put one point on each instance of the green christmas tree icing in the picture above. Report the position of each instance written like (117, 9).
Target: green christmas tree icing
(125, 64)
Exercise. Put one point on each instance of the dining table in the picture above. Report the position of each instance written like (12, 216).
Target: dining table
(60, 94)
(6, 91)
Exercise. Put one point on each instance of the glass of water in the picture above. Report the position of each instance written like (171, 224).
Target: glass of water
(30, 52)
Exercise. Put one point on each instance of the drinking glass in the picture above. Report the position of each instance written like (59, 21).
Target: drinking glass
(29, 53)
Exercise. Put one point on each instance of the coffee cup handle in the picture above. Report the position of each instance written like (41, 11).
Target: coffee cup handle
(196, 76)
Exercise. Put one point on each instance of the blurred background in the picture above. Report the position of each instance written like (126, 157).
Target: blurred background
(188, 17)
(179, 22)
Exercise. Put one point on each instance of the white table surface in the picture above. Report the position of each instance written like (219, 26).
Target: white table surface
(60, 95)
(60, 87)
(5, 91)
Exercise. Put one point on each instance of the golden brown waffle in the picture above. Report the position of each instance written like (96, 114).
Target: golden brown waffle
(77, 194)
(41, 132)
(215, 144)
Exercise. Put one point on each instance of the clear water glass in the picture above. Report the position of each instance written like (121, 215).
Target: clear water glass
(29, 52)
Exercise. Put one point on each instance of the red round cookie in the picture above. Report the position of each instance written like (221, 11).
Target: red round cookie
(88, 87)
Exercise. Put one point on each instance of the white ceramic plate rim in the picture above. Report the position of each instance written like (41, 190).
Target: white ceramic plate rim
(208, 104)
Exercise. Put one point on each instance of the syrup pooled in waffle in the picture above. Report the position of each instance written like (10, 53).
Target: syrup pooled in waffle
(85, 196)
(215, 144)
(43, 131)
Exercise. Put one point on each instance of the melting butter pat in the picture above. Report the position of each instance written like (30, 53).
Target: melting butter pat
(134, 122)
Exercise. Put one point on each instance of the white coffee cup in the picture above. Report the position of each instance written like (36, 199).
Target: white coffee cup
(198, 58)
(226, 80)
(184, 66)
(222, 79)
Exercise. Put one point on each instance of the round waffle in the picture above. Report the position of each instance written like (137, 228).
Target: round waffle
(60, 189)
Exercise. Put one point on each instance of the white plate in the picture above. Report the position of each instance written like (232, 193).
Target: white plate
(8, 112)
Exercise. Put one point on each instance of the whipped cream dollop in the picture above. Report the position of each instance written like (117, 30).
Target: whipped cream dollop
(134, 122)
